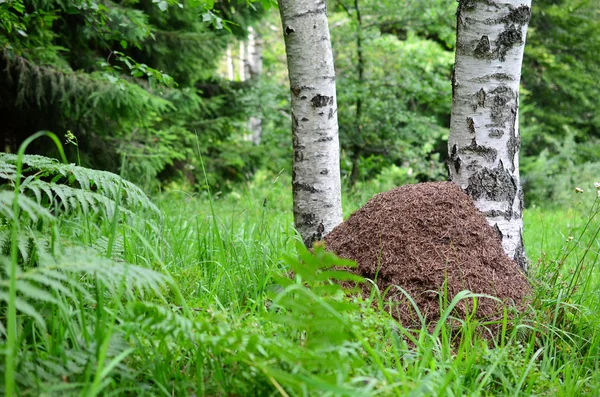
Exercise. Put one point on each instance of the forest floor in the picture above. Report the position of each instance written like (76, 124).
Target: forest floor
(234, 248)
(229, 321)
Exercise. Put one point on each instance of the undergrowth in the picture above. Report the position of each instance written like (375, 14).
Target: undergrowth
(104, 292)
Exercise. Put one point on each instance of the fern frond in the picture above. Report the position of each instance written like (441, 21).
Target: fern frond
(72, 198)
(44, 370)
(102, 183)
(160, 320)
(23, 307)
(66, 275)
(34, 210)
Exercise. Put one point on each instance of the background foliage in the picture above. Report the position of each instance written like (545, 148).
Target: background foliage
(148, 80)
(104, 291)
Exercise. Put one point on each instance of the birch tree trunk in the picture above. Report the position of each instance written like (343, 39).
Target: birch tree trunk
(230, 74)
(484, 139)
(254, 71)
(242, 62)
(255, 53)
(316, 162)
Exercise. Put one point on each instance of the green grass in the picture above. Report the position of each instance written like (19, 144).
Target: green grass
(195, 303)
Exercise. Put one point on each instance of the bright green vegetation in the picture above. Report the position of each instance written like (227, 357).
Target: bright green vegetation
(194, 298)
(148, 80)
(106, 292)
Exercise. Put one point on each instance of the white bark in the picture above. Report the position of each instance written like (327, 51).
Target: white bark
(230, 74)
(254, 64)
(316, 162)
(255, 54)
(242, 61)
(484, 139)
(255, 127)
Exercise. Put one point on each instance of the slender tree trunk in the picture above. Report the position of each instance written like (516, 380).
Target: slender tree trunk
(230, 74)
(361, 77)
(484, 139)
(356, 152)
(316, 162)
(254, 71)
(242, 61)
(255, 53)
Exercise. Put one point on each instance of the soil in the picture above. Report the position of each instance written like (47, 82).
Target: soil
(430, 240)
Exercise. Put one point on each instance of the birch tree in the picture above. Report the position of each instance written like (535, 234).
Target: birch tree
(254, 68)
(316, 163)
(484, 139)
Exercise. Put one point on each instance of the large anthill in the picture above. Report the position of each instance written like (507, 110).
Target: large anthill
(418, 237)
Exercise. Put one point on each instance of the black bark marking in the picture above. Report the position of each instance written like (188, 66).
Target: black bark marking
(289, 30)
(488, 153)
(502, 96)
(480, 98)
(454, 150)
(320, 230)
(324, 172)
(305, 187)
(304, 97)
(325, 139)
(321, 113)
(520, 256)
(457, 164)
(298, 156)
(521, 201)
(467, 5)
(454, 159)
(473, 166)
(483, 49)
(296, 90)
(330, 115)
(305, 119)
(506, 40)
(513, 142)
(495, 184)
(496, 133)
(493, 76)
(498, 231)
(471, 125)
(454, 82)
(520, 15)
(296, 143)
(309, 219)
(321, 9)
(320, 101)
(294, 120)
(495, 213)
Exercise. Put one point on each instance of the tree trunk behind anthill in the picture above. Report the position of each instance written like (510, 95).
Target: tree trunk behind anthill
(316, 162)
(484, 139)
(230, 74)
(254, 68)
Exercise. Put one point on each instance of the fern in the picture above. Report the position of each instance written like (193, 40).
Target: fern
(68, 278)
(33, 209)
(74, 187)
(67, 295)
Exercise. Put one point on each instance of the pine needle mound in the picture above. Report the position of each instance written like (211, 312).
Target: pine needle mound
(417, 237)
